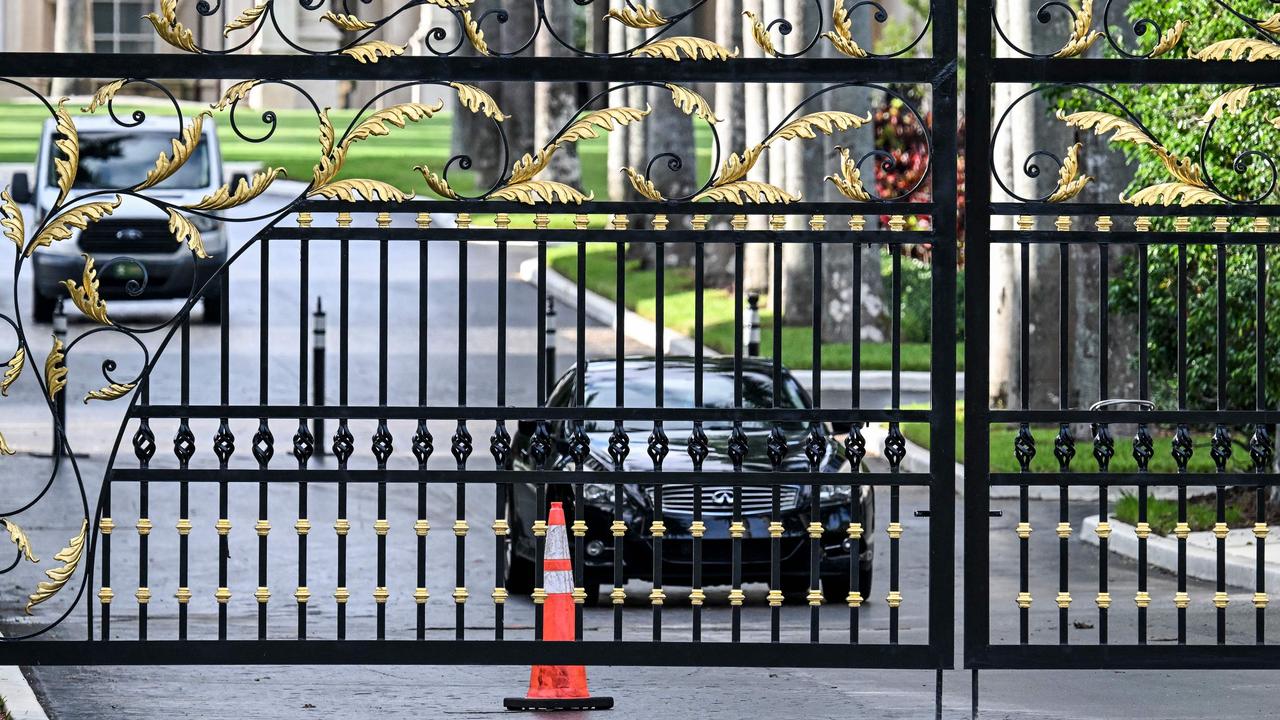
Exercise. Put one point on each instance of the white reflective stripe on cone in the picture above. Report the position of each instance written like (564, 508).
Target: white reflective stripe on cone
(558, 582)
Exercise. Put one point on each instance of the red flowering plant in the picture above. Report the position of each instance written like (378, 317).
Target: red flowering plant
(898, 133)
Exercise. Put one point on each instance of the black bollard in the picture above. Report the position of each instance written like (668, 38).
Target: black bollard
(317, 371)
(753, 324)
(549, 345)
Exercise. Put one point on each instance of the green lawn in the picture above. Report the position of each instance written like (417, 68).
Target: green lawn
(1003, 460)
(718, 321)
(295, 146)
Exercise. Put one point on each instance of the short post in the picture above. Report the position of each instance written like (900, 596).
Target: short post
(549, 345)
(60, 400)
(317, 371)
(753, 324)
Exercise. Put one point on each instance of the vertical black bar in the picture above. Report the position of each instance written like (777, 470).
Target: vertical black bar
(895, 401)
(657, 443)
(1024, 394)
(539, 536)
(461, 442)
(735, 594)
(262, 443)
(1220, 527)
(342, 438)
(1260, 434)
(1104, 504)
(1065, 450)
(1182, 433)
(619, 439)
(579, 399)
(697, 442)
(818, 433)
(382, 439)
(977, 601)
(303, 444)
(942, 421)
(423, 441)
(502, 535)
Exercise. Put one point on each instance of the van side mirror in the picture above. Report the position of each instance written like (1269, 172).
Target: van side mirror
(20, 188)
(236, 178)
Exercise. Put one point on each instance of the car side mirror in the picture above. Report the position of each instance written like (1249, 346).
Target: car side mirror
(237, 177)
(20, 188)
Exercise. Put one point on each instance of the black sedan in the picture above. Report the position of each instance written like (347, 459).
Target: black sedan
(597, 502)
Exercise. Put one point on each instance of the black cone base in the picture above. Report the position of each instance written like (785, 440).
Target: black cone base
(587, 703)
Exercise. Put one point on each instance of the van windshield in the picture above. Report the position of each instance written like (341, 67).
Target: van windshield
(122, 159)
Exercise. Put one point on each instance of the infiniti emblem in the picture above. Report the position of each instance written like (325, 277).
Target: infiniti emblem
(129, 234)
(722, 496)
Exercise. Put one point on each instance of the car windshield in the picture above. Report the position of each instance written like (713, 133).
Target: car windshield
(121, 159)
(639, 390)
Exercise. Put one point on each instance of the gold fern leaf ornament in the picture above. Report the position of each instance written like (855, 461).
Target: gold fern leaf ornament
(643, 185)
(114, 391)
(474, 34)
(691, 103)
(1170, 39)
(437, 183)
(18, 537)
(331, 156)
(170, 30)
(849, 181)
(1070, 181)
(1271, 24)
(55, 372)
(69, 556)
(165, 165)
(760, 34)
(355, 189)
(246, 189)
(746, 191)
(78, 217)
(532, 192)
(185, 231)
(827, 122)
(67, 143)
(11, 219)
(371, 50)
(693, 48)
(85, 296)
(1235, 49)
(396, 116)
(247, 18)
(102, 96)
(641, 18)
(841, 34)
(1230, 102)
(478, 101)
(1081, 38)
(348, 22)
(4, 447)
(1101, 123)
(1172, 193)
(236, 92)
(13, 369)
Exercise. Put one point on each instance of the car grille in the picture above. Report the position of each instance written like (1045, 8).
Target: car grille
(128, 236)
(717, 500)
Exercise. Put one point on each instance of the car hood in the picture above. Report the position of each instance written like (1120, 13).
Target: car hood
(717, 460)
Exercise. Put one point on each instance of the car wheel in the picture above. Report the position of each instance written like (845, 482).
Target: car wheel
(592, 589)
(835, 585)
(42, 307)
(795, 588)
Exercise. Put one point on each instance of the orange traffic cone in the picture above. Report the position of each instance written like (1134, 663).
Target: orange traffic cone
(558, 687)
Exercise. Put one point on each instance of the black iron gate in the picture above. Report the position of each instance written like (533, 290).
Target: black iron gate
(1157, 443)
(737, 488)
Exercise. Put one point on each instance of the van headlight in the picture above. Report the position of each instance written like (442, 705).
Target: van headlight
(835, 494)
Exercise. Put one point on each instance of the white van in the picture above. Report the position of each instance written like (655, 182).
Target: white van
(113, 157)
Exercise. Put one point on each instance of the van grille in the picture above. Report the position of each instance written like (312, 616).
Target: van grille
(128, 236)
(717, 500)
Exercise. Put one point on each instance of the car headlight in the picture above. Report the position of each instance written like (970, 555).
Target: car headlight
(835, 494)
(597, 494)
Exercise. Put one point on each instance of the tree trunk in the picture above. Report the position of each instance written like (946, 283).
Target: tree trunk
(555, 104)
(757, 262)
(72, 33)
(731, 109)
(797, 259)
(619, 187)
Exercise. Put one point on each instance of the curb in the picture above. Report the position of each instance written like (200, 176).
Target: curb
(19, 696)
(1162, 552)
(644, 331)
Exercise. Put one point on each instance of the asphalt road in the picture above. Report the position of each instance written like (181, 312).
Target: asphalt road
(362, 691)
